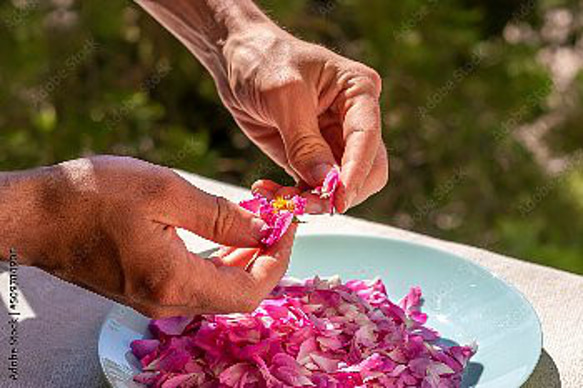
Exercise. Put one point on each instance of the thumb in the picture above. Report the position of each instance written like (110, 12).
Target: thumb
(209, 216)
(295, 114)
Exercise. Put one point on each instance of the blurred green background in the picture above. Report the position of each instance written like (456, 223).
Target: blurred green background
(482, 107)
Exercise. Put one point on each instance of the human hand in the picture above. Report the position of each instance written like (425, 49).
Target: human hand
(109, 225)
(308, 109)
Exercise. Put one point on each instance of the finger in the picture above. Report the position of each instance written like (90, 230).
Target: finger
(208, 216)
(377, 178)
(221, 252)
(155, 311)
(303, 186)
(226, 289)
(265, 188)
(287, 192)
(330, 124)
(239, 257)
(315, 204)
(164, 281)
(178, 282)
(272, 263)
(362, 134)
(272, 190)
(294, 110)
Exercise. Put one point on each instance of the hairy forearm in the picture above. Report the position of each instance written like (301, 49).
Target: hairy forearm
(204, 26)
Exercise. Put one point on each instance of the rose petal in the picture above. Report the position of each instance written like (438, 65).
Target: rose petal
(318, 332)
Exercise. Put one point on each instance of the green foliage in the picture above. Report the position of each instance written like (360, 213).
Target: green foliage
(102, 77)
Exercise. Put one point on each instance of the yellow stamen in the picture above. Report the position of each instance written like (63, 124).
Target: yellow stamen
(281, 203)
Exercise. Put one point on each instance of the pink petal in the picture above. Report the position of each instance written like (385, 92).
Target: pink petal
(318, 332)
(329, 186)
(254, 205)
(279, 227)
(277, 219)
(141, 348)
(232, 375)
(169, 326)
(184, 381)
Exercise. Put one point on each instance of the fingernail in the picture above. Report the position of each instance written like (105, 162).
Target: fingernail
(258, 228)
(319, 172)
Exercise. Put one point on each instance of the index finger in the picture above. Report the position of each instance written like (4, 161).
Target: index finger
(362, 134)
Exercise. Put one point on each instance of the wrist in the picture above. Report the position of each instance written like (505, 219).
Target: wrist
(242, 25)
(239, 17)
(247, 30)
(204, 26)
(246, 55)
(25, 220)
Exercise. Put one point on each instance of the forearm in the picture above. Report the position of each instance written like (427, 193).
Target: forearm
(23, 221)
(204, 26)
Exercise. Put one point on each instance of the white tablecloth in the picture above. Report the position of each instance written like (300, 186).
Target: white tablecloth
(58, 336)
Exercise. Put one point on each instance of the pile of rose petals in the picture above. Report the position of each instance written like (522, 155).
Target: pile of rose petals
(317, 333)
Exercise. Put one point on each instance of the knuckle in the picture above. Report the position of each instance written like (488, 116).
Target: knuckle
(224, 218)
(370, 78)
(155, 186)
(166, 295)
(282, 84)
(97, 159)
(249, 299)
(376, 79)
(158, 287)
(304, 148)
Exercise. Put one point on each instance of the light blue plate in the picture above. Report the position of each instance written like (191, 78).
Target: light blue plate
(464, 302)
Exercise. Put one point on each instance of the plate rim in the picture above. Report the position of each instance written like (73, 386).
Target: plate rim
(512, 287)
(524, 299)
